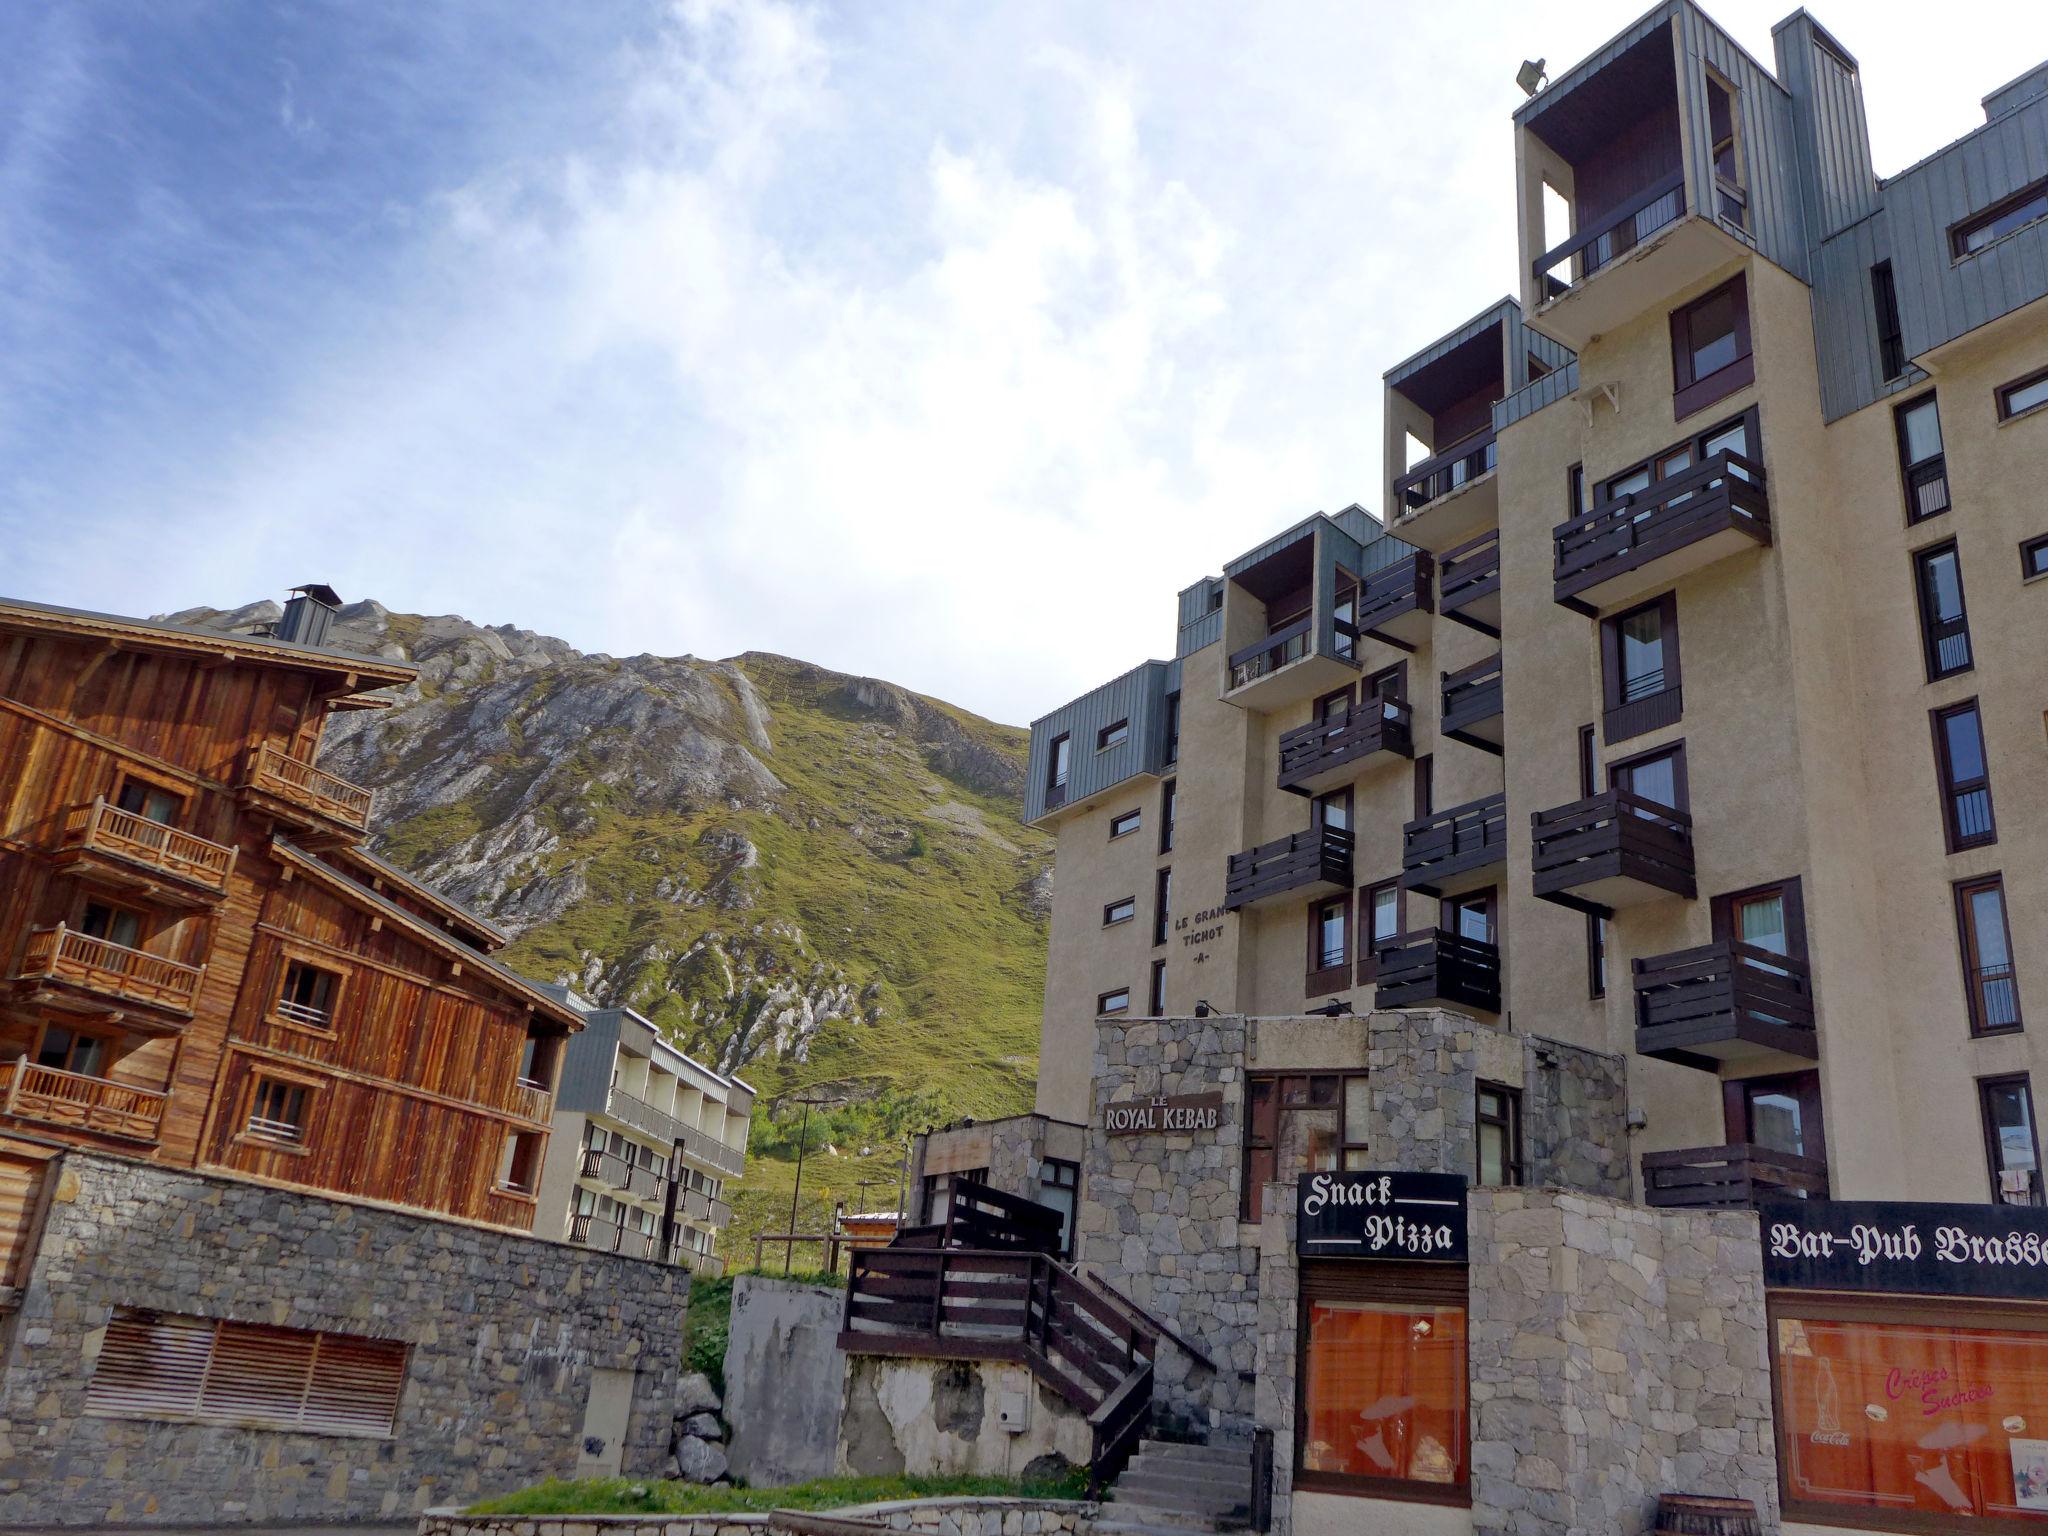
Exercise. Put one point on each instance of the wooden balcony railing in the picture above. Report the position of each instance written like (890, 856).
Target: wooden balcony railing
(107, 969)
(1723, 1001)
(1453, 469)
(1394, 602)
(275, 772)
(1439, 967)
(1468, 583)
(532, 1101)
(1300, 861)
(1471, 705)
(55, 1097)
(1721, 494)
(1449, 849)
(103, 828)
(1312, 752)
(1261, 658)
(1732, 1177)
(1610, 849)
(1615, 235)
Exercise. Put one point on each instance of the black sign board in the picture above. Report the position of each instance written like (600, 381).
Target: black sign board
(1989, 1251)
(1381, 1215)
(1186, 1114)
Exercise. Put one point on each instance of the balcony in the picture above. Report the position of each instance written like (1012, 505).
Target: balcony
(720, 1214)
(1285, 669)
(76, 1102)
(125, 849)
(114, 973)
(1471, 706)
(635, 1244)
(1451, 496)
(589, 1232)
(1611, 850)
(706, 1266)
(710, 1151)
(1456, 850)
(1309, 862)
(1628, 548)
(1737, 1177)
(643, 1116)
(1396, 601)
(308, 797)
(1439, 967)
(1326, 753)
(1468, 583)
(1723, 1003)
(693, 1205)
(532, 1101)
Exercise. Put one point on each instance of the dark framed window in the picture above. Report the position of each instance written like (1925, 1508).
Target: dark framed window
(1059, 1186)
(938, 1192)
(1984, 937)
(1333, 706)
(150, 801)
(1766, 917)
(519, 1162)
(2012, 1147)
(64, 1049)
(2034, 557)
(1301, 1122)
(1884, 301)
(1168, 810)
(1344, 636)
(1381, 1382)
(1332, 810)
(1737, 435)
(1960, 762)
(1379, 925)
(1657, 776)
(1118, 1001)
(1122, 910)
(1425, 786)
(1057, 760)
(1125, 824)
(1589, 763)
(1922, 462)
(308, 994)
(1724, 124)
(1170, 752)
(1329, 946)
(277, 1111)
(1155, 1002)
(1710, 351)
(2023, 395)
(1944, 626)
(1639, 668)
(1469, 915)
(1596, 955)
(1162, 903)
(1387, 683)
(1999, 220)
(1115, 734)
(1500, 1134)
(115, 924)
(1576, 490)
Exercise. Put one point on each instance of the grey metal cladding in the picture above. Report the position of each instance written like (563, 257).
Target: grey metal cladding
(587, 1063)
(1138, 697)
(1305, 529)
(1535, 395)
(1206, 630)
(1776, 223)
(1201, 620)
(1444, 345)
(2033, 83)
(1593, 63)
(1831, 135)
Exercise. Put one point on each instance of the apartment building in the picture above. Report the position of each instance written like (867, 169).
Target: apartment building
(646, 1143)
(272, 1114)
(1682, 710)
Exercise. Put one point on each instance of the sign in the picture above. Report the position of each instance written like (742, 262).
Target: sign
(1187, 1114)
(1381, 1215)
(1989, 1251)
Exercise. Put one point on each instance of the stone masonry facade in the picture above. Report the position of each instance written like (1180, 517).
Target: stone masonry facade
(505, 1335)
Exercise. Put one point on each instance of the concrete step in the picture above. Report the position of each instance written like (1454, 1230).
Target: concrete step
(1151, 1520)
(1160, 1494)
(1234, 1455)
(1139, 1477)
(1194, 1466)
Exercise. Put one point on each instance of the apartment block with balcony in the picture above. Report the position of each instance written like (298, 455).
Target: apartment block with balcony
(647, 1144)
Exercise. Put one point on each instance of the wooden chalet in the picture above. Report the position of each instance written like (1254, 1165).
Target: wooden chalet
(200, 967)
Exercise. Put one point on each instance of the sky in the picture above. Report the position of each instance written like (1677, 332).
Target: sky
(940, 342)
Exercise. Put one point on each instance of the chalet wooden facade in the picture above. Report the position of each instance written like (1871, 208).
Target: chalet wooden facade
(199, 967)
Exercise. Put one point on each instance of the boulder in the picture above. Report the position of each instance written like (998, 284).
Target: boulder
(699, 1461)
(695, 1394)
(704, 1426)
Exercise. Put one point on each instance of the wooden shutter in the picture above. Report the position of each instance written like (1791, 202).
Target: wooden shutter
(355, 1386)
(151, 1365)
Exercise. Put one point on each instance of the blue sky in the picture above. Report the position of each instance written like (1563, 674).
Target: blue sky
(941, 342)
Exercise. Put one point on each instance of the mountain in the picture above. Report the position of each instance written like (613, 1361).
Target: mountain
(814, 880)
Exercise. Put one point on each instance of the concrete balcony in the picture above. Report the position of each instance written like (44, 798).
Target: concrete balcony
(1626, 549)
(1457, 850)
(1284, 670)
(1723, 1004)
(1611, 850)
(1302, 863)
(1448, 498)
(1326, 753)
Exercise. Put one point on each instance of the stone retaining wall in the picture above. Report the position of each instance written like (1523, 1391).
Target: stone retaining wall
(927, 1517)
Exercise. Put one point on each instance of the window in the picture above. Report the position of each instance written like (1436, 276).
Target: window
(1425, 787)
(1639, 668)
(1469, 916)
(2034, 558)
(1500, 1134)
(1170, 751)
(1710, 353)
(537, 1062)
(307, 996)
(938, 1191)
(1589, 763)
(1115, 734)
(1383, 1380)
(1333, 708)
(1118, 1001)
(1122, 910)
(1298, 1123)
(1344, 631)
(277, 1111)
(64, 1049)
(2023, 395)
(1738, 436)
(1658, 777)
(157, 1365)
(1162, 903)
(1577, 490)
(1596, 955)
(1331, 811)
(1986, 942)
(1860, 1387)
(1884, 299)
(1999, 220)
(1921, 460)
(2010, 1143)
(1329, 946)
(140, 798)
(117, 925)
(1168, 810)
(1128, 822)
(1057, 758)
(1156, 1001)
(519, 1165)
(1724, 124)
(1944, 627)
(1965, 780)
(1379, 914)
(1059, 1185)
(1389, 683)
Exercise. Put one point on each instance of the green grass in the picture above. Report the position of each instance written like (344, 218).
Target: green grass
(706, 1327)
(628, 1496)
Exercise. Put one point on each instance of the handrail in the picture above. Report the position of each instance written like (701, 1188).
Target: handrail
(58, 1097)
(304, 783)
(1611, 222)
(1278, 637)
(1635, 506)
(63, 953)
(1480, 445)
(107, 828)
(1152, 1319)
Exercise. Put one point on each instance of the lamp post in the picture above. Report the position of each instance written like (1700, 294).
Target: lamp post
(802, 1136)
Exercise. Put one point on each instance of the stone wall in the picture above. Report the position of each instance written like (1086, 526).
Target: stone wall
(927, 1517)
(945, 1417)
(784, 1375)
(505, 1332)
(1575, 1118)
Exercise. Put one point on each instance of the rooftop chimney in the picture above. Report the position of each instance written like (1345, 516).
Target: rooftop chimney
(309, 615)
